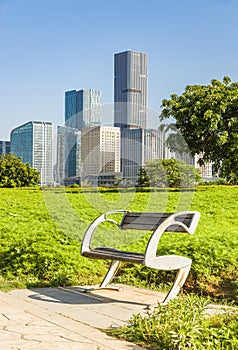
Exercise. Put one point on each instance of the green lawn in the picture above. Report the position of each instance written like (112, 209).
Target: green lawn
(41, 233)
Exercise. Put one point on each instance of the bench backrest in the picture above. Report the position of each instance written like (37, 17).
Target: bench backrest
(150, 221)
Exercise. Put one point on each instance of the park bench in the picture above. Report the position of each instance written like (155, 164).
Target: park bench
(157, 223)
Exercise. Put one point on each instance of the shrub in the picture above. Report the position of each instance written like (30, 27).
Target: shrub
(171, 173)
(182, 324)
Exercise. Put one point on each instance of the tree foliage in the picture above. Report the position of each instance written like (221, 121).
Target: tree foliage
(171, 173)
(15, 173)
(143, 179)
(207, 118)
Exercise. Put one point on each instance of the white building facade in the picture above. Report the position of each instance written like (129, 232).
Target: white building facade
(100, 151)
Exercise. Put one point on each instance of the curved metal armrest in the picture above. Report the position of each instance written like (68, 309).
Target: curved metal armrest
(87, 239)
(171, 262)
(152, 245)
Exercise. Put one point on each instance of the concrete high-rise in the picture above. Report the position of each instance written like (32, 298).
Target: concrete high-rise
(130, 89)
(33, 142)
(82, 108)
(100, 152)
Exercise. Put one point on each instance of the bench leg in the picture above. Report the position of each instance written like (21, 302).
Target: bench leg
(178, 283)
(110, 273)
(112, 270)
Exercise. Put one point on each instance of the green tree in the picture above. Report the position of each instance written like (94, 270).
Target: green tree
(171, 173)
(15, 173)
(156, 173)
(207, 118)
(143, 179)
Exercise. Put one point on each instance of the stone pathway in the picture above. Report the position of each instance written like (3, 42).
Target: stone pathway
(66, 318)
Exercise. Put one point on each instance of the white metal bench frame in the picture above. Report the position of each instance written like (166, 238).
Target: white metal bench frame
(172, 223)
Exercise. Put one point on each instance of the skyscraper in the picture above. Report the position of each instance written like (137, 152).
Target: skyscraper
(130, 109)
(82, 108)
(130, 89)
(33, 142)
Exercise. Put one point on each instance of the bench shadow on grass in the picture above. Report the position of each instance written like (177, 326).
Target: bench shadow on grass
(228, 290)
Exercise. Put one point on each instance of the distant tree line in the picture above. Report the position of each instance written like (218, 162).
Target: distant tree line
(168, 173)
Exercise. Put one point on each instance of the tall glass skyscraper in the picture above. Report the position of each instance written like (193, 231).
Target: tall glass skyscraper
(130, 108)
(68, 153)
(82, 108)
(33, 142)
(130, 89)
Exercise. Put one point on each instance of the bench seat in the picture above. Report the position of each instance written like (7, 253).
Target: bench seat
(115, 254)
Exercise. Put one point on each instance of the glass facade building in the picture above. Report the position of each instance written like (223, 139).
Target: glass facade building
(139, 146)
(130, 109)
(132, 153)
(33, 143)
(82, 108)
(68, 153)
(5, 147)
(130, 89)
(154, 145)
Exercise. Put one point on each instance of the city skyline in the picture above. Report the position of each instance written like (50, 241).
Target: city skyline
(52, 47)
(86, 149)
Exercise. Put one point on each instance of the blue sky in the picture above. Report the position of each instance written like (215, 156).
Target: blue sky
(50, 46)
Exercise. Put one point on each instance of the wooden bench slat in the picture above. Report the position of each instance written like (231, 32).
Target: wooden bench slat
(172, 228)
(114, 254)
(150, 221)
